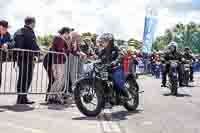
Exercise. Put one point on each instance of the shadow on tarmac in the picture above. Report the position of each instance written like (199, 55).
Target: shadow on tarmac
(85, 118)
(178, 95)
(122, 115)
(17, 108)
(57, 106)
(115, 116)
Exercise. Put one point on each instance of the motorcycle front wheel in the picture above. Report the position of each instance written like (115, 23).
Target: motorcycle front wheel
(173, 86)
(132, 86)
(86, 95)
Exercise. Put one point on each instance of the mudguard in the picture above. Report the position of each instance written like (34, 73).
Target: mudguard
(77, 82)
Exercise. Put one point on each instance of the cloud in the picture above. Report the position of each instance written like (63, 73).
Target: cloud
(171, 12)
(116, 16)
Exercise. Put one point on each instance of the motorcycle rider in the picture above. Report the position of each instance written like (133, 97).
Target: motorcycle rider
(111, 55)
(188, 56)
(172, 54)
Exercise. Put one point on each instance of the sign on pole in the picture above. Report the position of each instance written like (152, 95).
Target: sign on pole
(148, 35)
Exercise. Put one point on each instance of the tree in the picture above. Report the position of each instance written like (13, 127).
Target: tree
(135, 43)
(86, 34)
(160, 43)
(168, 36)
(184, 34)
(45, 40)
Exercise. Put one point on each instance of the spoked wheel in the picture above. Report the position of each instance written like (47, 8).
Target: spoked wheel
(89, 99)
(132, 87)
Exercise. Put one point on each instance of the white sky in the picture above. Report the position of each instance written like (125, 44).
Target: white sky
(124, 18)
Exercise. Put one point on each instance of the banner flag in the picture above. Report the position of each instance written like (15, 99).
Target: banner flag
(148, 35)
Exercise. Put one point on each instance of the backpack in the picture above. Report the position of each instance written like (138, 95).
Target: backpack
(17, 43)
(18, 36)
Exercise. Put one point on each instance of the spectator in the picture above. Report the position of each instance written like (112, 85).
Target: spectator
(5, 42)
(75, 55)
(25, 39)
(132, 62)
(98, 46)
(87, 48)
(56, 65)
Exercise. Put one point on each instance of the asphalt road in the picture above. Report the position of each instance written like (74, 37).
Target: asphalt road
(158, 112)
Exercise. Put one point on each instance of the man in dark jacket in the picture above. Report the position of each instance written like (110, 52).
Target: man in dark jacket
(172, 54)
(187, 55)
(5, 42)
(25, 39)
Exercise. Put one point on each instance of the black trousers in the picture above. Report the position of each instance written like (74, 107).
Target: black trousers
(191, 73)
(50, 77)
(25, 76)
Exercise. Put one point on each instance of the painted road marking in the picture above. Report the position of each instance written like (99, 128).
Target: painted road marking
(147, 123)
(108, 125)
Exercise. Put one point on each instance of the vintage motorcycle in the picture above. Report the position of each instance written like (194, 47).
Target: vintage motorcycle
(173, 76)
(96, 87)
(186, 71)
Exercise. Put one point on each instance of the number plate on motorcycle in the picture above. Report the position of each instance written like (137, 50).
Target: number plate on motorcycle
(187, 65)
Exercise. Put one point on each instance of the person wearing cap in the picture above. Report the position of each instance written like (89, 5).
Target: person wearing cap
(55, 63)
(5, 42)
(5, 38)
(25, 39)
(172, 54)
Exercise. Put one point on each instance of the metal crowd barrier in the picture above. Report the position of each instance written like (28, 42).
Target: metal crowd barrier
(30, 72)
(33, 72)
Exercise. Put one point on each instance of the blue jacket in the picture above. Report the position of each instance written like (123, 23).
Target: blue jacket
(6, 39)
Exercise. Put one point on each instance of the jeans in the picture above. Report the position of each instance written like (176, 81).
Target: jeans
(118, 78)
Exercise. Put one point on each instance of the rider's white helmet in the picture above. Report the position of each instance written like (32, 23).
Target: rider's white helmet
(173, 44)
(106, 37)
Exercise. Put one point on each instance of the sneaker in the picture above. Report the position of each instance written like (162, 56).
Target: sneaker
(27, 101)
(181, 85)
